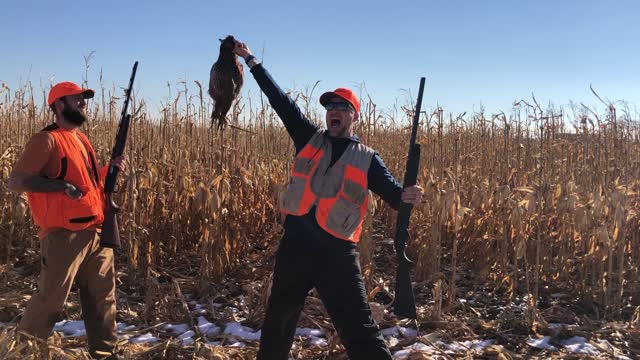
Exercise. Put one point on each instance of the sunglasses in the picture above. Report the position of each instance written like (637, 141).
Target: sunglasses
(341, 106)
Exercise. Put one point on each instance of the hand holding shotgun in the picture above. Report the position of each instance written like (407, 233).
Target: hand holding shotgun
(404, 304)
(110, 236)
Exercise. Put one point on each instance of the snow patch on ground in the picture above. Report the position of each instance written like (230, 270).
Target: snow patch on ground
(234, 328)
(404, 353)
(123, 328)
(75, 328)
(440, 347)
(579, 345)
(143, 339)
(464, 346)
(397, 331)
(237, 344)
(187, 337)
(70, 328)
(319, 342)
(207, 328)
(315, 337)
(176, 329)
(541, 343)
(186, 334)
(308, 332)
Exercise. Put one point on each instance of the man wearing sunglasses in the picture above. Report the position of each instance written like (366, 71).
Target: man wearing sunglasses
(59, 172)
(325, 203)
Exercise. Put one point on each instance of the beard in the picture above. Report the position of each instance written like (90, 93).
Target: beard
(342, 130)
(76, 117)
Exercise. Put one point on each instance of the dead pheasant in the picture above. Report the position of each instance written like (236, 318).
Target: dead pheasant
(225, 81)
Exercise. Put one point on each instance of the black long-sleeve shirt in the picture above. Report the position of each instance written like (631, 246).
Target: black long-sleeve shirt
(379, 179)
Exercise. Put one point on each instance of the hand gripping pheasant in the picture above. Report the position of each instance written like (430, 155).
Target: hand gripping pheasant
(110, 236)
(404, 304)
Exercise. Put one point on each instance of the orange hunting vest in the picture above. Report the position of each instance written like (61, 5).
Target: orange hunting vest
(339, 192)
(78, 167)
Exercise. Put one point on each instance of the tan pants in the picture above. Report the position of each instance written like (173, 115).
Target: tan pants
(66, 256)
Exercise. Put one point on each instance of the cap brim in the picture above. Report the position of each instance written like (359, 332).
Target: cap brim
(326, 97)
(88, 93)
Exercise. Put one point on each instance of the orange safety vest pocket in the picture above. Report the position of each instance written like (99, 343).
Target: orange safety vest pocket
(83, 210)
(302, 166)
(294, 194)
(343, 216)
(354, 191)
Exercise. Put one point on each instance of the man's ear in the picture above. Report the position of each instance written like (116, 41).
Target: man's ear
(58, 105)
(356, 116)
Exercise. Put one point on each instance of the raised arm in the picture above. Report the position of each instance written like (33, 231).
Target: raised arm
(298, 126)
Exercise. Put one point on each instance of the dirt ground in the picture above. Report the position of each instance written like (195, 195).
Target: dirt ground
(481, 324)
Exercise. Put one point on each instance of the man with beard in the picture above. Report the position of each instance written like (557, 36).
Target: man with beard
(325, 203)
(58, 171)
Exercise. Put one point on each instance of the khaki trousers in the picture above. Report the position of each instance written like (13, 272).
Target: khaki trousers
(68, 256)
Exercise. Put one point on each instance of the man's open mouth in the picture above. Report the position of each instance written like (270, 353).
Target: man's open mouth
(335, 123)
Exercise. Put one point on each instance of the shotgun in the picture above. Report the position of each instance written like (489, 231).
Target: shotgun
(110, 235)
(404, 304)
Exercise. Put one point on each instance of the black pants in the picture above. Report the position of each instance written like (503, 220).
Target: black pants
(333, 269)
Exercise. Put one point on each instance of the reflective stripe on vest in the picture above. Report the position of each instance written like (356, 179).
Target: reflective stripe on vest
(340, 192)
(78, 167)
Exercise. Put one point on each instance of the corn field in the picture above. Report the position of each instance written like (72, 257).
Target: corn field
(534, 201)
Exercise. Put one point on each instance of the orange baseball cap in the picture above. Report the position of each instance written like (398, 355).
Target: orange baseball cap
(67, 88)
(344, 94)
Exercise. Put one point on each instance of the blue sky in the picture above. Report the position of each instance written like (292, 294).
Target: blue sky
(471, 52)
